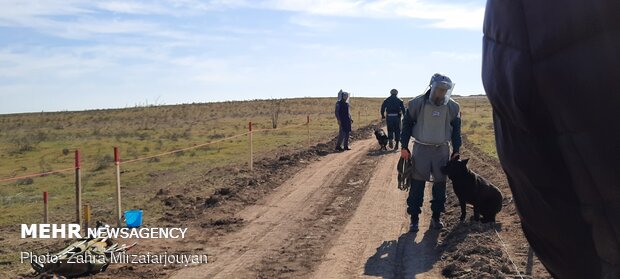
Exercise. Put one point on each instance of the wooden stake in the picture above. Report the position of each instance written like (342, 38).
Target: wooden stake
(251, 146)
(308, 128)
(86, 218)
(45, 209)
(117, 163)
(78, 189)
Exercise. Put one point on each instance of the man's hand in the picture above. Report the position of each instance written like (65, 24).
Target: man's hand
(405, 154)
(455, 156)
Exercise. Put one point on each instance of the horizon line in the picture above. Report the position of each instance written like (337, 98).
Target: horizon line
(146, 105)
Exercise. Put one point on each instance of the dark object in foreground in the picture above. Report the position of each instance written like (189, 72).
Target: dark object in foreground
(471, 188)
(381, 138)
(550, 70)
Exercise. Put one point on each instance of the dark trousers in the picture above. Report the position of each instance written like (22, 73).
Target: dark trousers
(343, 137)
(393, 127)
(416, 198)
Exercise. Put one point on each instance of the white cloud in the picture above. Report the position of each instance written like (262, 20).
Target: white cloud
(84, 20)
(47, 65)
(312, 22)
(11, 9)
(117, 46)
(127, 7)
(85, 17)
(322, 7)
(80, 21)
(449, 16)
(441, 15)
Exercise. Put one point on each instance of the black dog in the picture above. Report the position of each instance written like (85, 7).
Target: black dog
(381, 138)
(471, 188)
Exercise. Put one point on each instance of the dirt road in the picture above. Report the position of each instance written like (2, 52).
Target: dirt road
(308, 211)
(376, 241)
(342, 216)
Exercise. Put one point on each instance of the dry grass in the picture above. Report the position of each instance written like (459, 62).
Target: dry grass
(477, 125)
(40, 142)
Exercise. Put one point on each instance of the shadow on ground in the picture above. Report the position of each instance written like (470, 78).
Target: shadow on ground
(406, 258)
(379, 152)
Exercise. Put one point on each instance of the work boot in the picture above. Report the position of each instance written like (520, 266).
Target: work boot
(338, 148)
(396, 146)
(391, 144)
(436, 224)
(414, 225)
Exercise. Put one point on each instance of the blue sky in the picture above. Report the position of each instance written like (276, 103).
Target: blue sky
(86, 54)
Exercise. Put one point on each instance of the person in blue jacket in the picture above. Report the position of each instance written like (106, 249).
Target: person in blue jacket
(343, 115)
(395, 109)
(433, 119)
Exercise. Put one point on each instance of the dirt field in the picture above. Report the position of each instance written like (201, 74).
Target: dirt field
(335, 219)
(313, 213)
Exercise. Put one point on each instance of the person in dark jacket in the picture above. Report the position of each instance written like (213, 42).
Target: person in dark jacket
(550, 70)
(395, 109)
(433, 119)
(343, 115)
